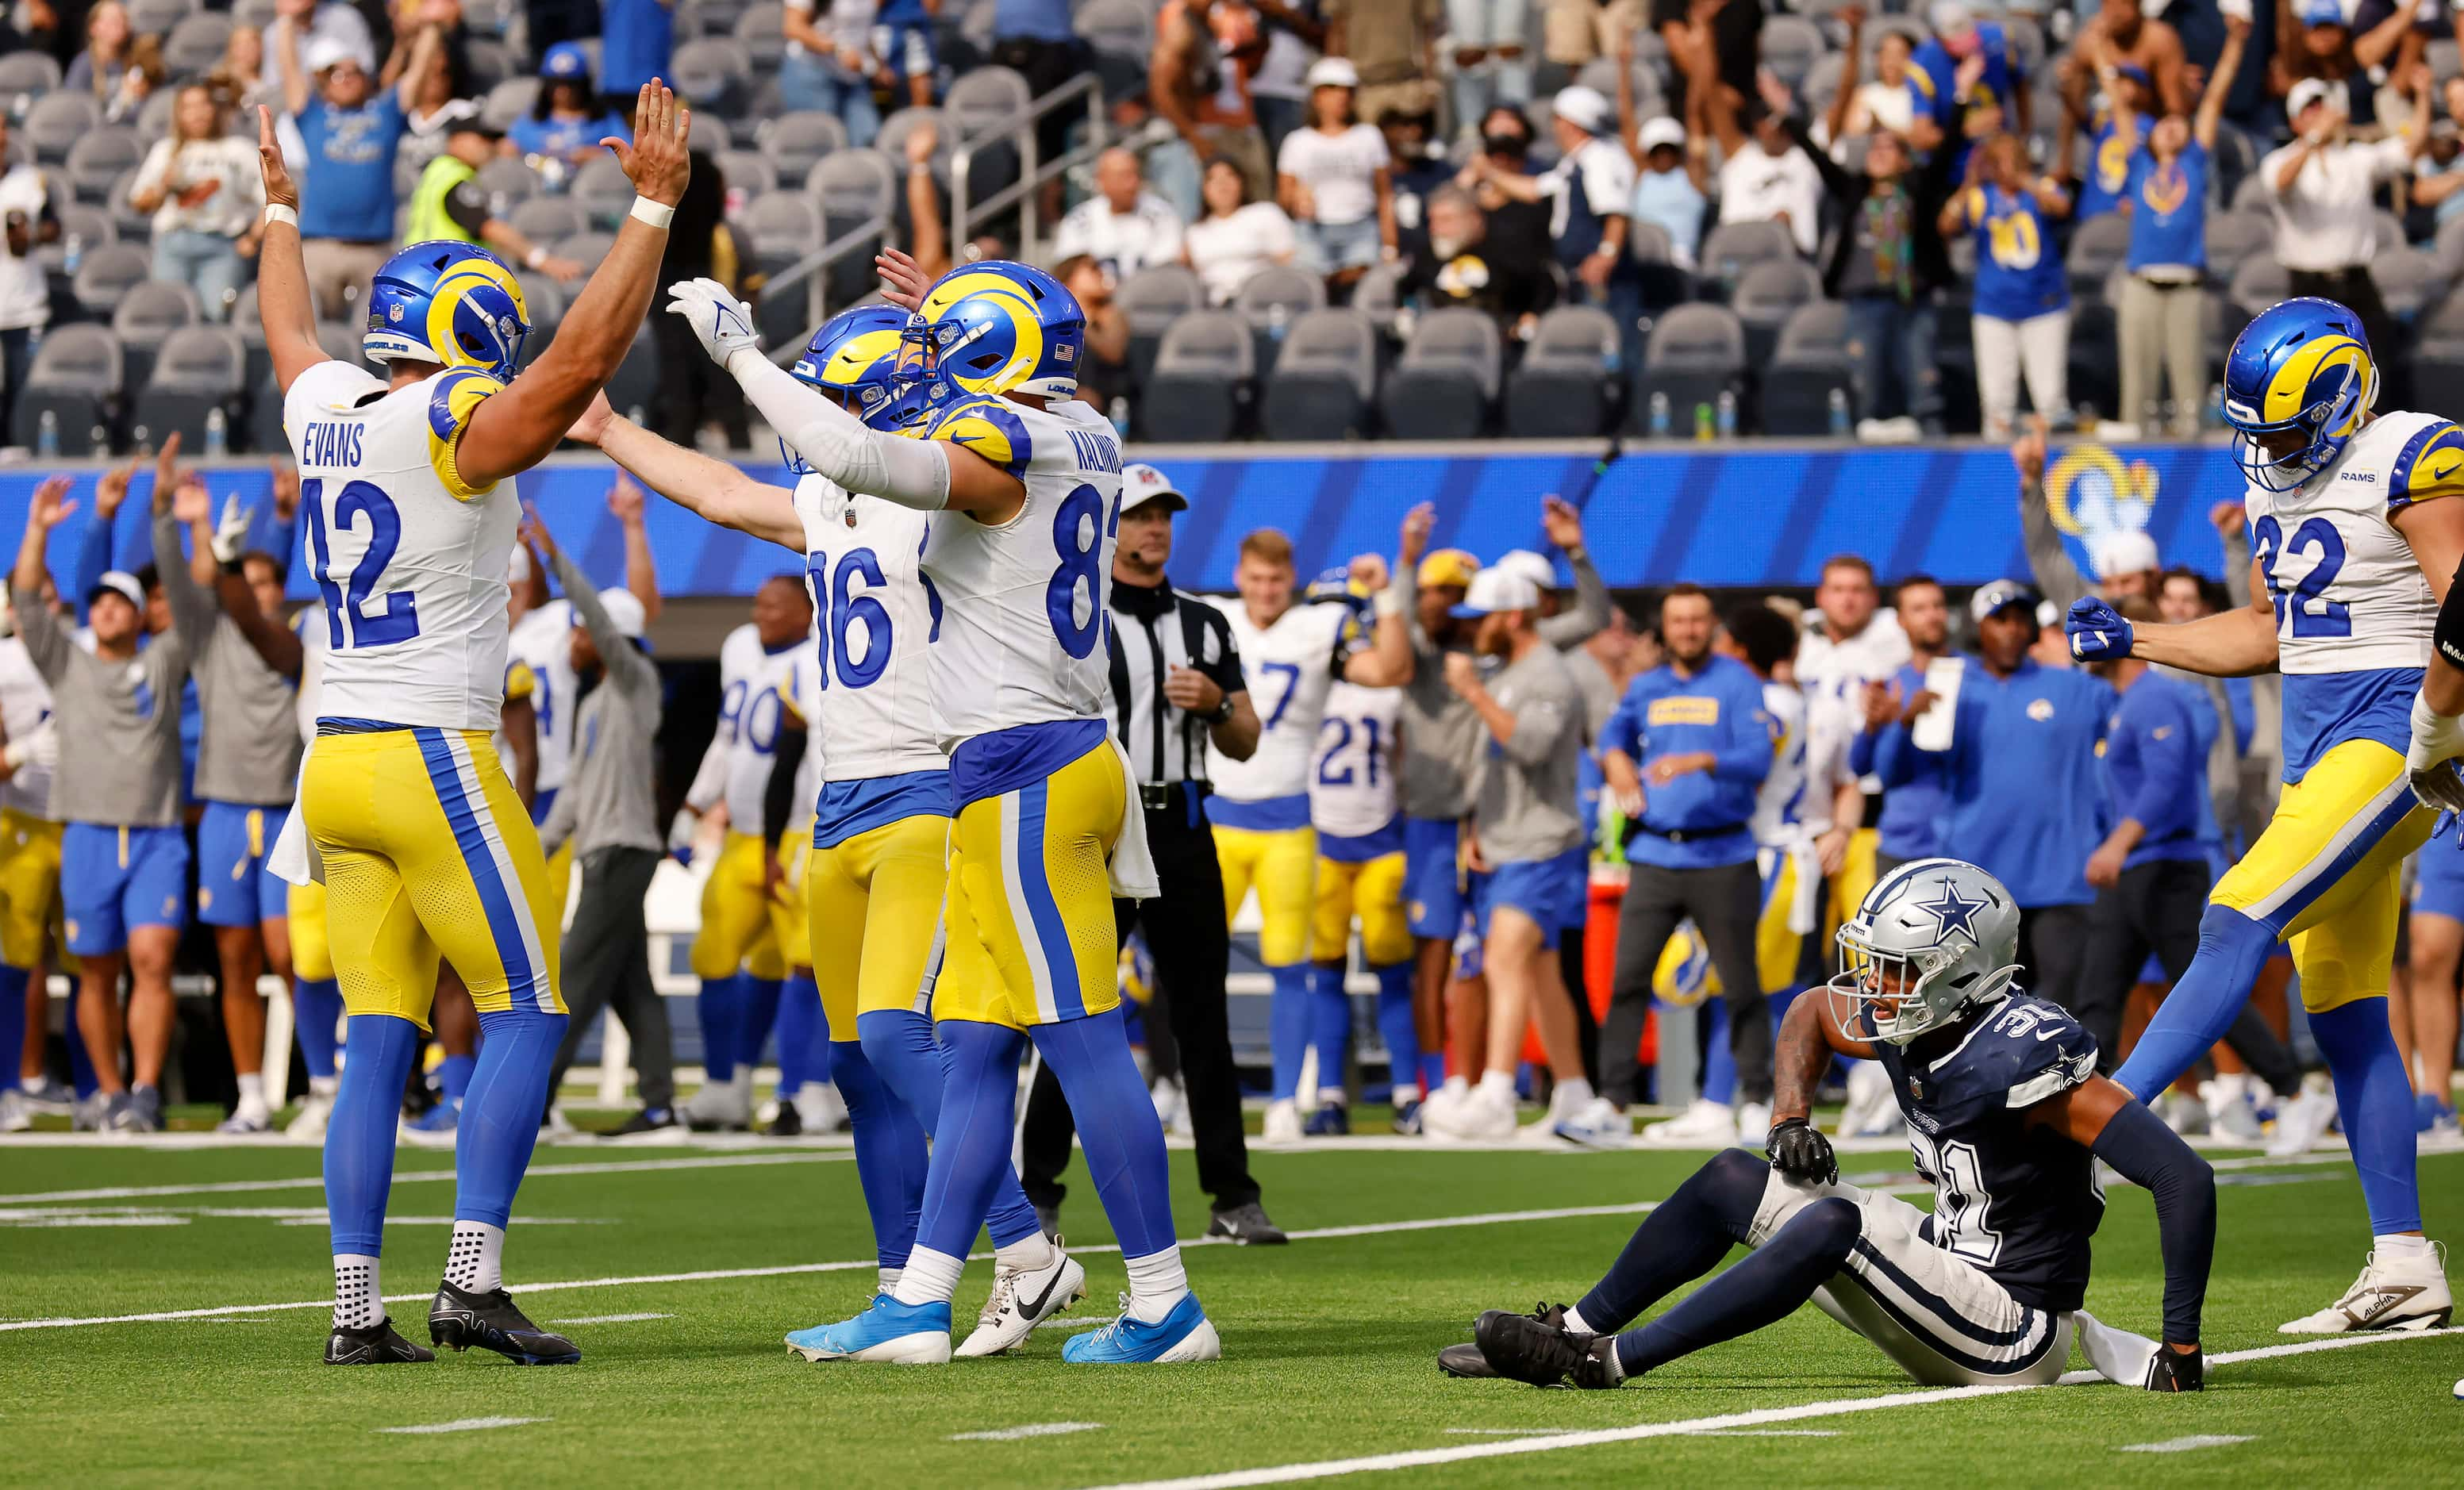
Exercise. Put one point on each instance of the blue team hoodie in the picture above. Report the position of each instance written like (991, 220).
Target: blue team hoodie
(2025, 795)
(2156, 746)
(1910, 826)
(1719, 709)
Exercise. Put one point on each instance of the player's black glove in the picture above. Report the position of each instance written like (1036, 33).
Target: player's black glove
(2176, 1370)
(1798, 1150)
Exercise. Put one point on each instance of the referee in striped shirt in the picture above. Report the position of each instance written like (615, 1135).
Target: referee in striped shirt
(1175, 684)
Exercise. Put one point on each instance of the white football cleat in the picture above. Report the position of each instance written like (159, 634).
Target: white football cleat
(1872, 1112)
(719, 1106)
(15, 1114)
(308, 1124)
(246, 1118)
(2184, 1113)
(2393, 1293)
(1754, 1123)
(1282, 1124)
(2301, 1122)
(1705, 1123)
(821, 1109)
(1601, 1123)
(1022, 1299)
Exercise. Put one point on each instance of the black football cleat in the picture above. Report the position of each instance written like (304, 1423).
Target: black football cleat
(459, 1319)
(788, 1123)
(1465, 1360)
(372, 1344)
(1523, 1349)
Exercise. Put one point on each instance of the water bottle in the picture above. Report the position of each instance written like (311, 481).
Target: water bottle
(1727, 414)
(1838, 413)
(1277, 315)
(217, 434)
(1703, 422)
(72, 254)
(46, 435)
(1659, 416)
(1120, 415)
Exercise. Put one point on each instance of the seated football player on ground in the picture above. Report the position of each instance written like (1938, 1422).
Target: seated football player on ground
(2006, 1115)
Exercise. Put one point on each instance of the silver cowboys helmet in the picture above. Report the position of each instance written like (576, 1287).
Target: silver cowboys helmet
(1931, 938)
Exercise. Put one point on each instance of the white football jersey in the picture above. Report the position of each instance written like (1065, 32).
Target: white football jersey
(1290, 666)
(804, 686)
(543, 642)
(1834, 675)
(24, 703)
(753, 684)
(1786, 796)
(408, 559)
(308, 623)
(875, 614)
(1351, 784)
(1022, 604)
(2349, 594)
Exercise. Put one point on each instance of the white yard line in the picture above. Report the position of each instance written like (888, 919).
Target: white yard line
(1025, 1431)
(468, 1425)
(239, 1187)
(1551, 1443)
(2203, 1440)
(610, 1319)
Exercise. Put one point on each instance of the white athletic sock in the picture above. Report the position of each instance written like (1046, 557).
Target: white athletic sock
(929, 1277)
(1406, 1091)
(325, 1085)
(475, 1259)
(252, 1090)
(1158, 1281)
(2401, 1246)
(1498, 1086)
(1457, 1085)
(1574, 1322)
(890, 1280)
(1028, 1254)
(1578, 1091)
(359, 1302)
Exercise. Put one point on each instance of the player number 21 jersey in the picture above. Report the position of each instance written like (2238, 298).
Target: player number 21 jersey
(1352, 780)
(871, 699)
(409, 561)
(1024, 603)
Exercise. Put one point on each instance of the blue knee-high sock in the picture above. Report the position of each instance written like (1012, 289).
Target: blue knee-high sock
(890, 1156)
(761, 1011)
(316, 1011)
(800, 1013)
(971, 1142)
(82, 1061)
(1683, 1237)
(1116, 1126)
(2201, 1007)
(1765, 1289)
(12, 1022)
(1397, 1028)
(899, 1044)
(2375, 1097)
(1433, 1067)
(501, 1113)
(1330, 1027)
(1719, 1065)
(1288, 1027)
(359, 1136)
(721, 1003)
(454, 1076)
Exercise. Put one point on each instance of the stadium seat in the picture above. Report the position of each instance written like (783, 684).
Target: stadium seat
(1664, 282)
(1325, 379)
(1121, 34)
(1379, 292)
(586, 248)
(1444, 386)
(635, 388)
(2390, 230)
(2410, 280)
(154, 17)
(2259, 283)
(1649, 96)
(91, 226)
(603, 191)
(1878, 27)
(2233, 237)
(548, 219)
(256, 376)
(2252, 195)
(1809, 363)
(545, 299)
(76, 377)
(27, 74)
(1821, 83)
(130, 223)
(715, 73)
(107, 274)
(2438, 359)
(1200, 386)
(756, 31)
(857, 192)
(492, 62)
(195, 46)
(57, 121)
(1790, 46)
(100, 158)
(987, 101)
(1731, 249)
(1565, 387)
(145, 318)
(198, 370)
(891, 142)
(509, 182)
(708, 18)
(748, 171)
(709, 132)
(795, 142)
(2098, 247)
(1766, 297)
(1270, 301)
(2095, 360)
(2236, 159)
(781, 227)
(1695, 353)
(2026, 42)
(1153, 298)
(154, 116)
(509, 101)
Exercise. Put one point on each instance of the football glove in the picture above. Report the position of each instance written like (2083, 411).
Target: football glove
(2176, 1370)
(230, 533)
(682, 831)
(2098, 632)
(39, 747)
(1797, 1149)
(722, 322)
(2432, 761)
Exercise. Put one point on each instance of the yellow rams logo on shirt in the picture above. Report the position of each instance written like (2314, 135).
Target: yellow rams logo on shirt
(1682, 711)
(2040, 710)
(2166, 188)
(2112, 163)
(1464, 276)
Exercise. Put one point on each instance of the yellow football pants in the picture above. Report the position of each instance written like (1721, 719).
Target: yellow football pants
(1282, 865)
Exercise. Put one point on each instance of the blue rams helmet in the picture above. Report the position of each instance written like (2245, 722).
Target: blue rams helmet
(855, 355)
(454, 304)
(2302, 368)
(994, 328)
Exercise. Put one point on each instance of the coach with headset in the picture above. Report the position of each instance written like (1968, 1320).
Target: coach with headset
(1176, 685)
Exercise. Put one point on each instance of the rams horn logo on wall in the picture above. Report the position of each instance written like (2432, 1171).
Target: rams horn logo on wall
(2091, 494)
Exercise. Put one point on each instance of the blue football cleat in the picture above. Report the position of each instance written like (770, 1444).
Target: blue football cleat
(903, 1334)
(1332, 1120)
(436, 1127)
(1185, 1334)
(1407, 1119)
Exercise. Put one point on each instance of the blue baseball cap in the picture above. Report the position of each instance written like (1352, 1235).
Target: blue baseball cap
(564, 62)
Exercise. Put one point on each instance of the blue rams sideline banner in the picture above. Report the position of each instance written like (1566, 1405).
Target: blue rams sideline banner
(1722, 515)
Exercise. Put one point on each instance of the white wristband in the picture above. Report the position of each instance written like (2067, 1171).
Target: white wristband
(276, 212)
(1388, 602)
(535, 257)
(658, 214)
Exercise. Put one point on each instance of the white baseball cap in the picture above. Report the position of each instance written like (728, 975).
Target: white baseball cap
(326, 51)
(2124, 551)
(1534, 567)
(624, 608)
(1951, 18)
(2315, 90)
(1142, 483)
(120, 582)
(1660, 131)
(1587, 109)
(1334, 73)
(1497, 589)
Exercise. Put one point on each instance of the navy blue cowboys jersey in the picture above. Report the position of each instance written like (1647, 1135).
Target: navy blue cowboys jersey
(2019, 1203)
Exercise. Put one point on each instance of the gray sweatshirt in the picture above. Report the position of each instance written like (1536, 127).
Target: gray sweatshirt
(118, 721)
(1527, 811)
(609, 799)
(249, 753)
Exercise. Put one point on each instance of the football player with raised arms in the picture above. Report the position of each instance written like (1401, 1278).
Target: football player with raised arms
(2007, 1118)
(875, 881)
(406, 812)
(1026, 483)
(2352, 549)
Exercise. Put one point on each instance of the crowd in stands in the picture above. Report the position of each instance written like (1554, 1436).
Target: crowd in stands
(1920, 221)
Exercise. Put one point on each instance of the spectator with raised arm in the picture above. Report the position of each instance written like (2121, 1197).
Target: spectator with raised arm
(351, 130)
(1197, 81)
(1393, 44)
(2124, 36)
(1588, 193)
(2022, 316)
(2321, 191)
(1974, 83)
(1672, 172)
(2119, 112)
(2315, 43)
(1894, 98)
(1765, 177)
(1712, 44)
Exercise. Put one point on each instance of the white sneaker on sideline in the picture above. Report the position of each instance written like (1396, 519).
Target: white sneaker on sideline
(1705, 1124)
(1601, 1123)
(1872, 1112)
(1754, 1123)
(308, 1124)
(2301, 1122)
(2184, 1113)
(2397, 1293)
(1484, 1117)
(15, 1115)
(246, 1118)
(1282, 1124)
(1543, 1133)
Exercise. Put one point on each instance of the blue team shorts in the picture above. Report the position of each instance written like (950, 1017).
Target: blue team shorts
(234, 888)
(1537, 887)
(2438, 889)
(113, 880)
(1433, 896)
(907, 46)
(1574, 910)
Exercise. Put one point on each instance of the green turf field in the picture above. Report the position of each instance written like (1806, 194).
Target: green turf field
(1327, 1342)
